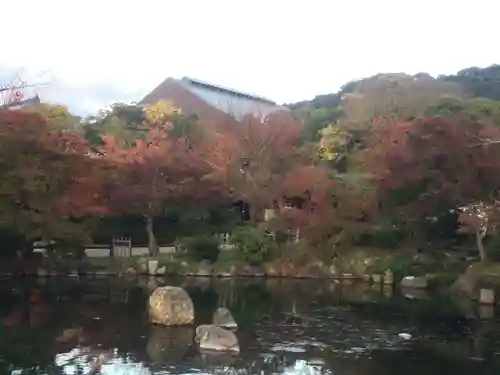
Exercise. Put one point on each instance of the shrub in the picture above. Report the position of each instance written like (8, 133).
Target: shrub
(173, 267)
(180, 245)
(253, 243)
(201, 248)
(229, 256)
(281, 237)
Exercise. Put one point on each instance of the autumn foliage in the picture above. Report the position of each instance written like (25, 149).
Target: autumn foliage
(265, 151)
(53, 177)
(436, 160)
(162, 169)
(407, 170)
(432, 166)
(46, 176)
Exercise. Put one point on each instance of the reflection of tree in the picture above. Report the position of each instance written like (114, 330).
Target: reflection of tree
(481, 341)
(251, 302)
(35, 327)
(457, 348)
(24, 345)
(169, 344)
(205, 303)
(227, 294)
(422, 361)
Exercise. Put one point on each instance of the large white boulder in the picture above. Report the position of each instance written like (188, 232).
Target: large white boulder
(170, 306)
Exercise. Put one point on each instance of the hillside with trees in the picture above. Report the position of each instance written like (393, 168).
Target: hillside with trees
(348, 131)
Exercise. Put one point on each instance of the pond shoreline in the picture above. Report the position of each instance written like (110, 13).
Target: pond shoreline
(469, 284)
(110, 273)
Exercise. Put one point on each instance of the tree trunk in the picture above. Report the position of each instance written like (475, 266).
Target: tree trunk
(480, 246)
(152, 244)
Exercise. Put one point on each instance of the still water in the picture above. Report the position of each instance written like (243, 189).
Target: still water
(285, 327)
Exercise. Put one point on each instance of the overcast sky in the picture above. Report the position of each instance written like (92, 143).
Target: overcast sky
(91, 53)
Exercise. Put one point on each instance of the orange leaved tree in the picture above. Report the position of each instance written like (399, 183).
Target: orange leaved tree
(265, 151)
(427, 167)
(48, 178)
(164, 168)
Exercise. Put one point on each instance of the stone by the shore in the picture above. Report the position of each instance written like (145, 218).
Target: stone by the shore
(479, 275)
(153, 267)
(487, 296)
(388, 277)
(253, 271)
(205, 268)
(42, 272)
(419, 282)
(142, 268)
(377, 279)
(130, 271)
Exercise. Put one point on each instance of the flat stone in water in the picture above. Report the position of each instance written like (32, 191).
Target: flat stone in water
(288, 348)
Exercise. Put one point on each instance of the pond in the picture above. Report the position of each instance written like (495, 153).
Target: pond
(341, 328)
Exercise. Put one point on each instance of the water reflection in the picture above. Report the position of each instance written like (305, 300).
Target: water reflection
(286, 327)
(169, 344)
(85, 362)
(301, 367)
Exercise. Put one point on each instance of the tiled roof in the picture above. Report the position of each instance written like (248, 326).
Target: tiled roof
(228, 101)
(226, 90)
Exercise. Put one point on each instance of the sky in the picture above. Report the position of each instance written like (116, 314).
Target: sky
(88, 54)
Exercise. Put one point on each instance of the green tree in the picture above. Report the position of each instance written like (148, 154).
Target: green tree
(58, 116)
(476, 108)
(124, 122)
(396, 95)
(478, 82)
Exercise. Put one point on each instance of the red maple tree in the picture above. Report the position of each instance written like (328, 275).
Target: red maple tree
(48, 177)
(322, 207)
(265, 151)
(429, 166)
(164, 169)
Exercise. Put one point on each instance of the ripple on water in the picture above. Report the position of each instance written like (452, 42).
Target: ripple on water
(79, 364)
(345, 337)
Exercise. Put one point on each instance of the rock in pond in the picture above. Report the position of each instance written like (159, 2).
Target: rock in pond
(170, 306)
(200, 331)
(414, 282)
(213, 338)
(223, 318)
